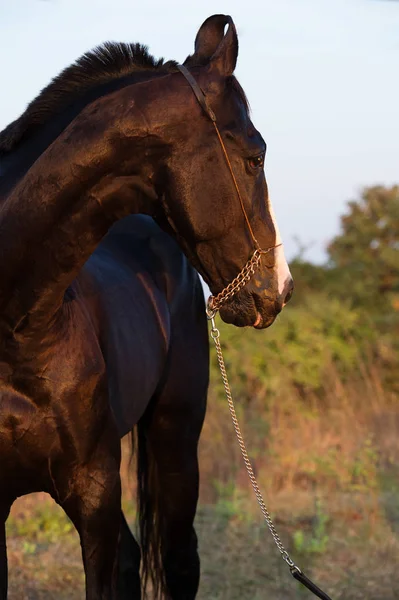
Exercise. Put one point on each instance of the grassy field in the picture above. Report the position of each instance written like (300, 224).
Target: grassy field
(238, 558)
(349, 543)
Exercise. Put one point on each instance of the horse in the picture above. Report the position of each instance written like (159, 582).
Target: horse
(102, 322)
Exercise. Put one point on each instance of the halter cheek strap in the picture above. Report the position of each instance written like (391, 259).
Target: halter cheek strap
(199, 94)
(253, 263)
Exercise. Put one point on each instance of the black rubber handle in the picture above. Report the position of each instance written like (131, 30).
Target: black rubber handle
(301, 577)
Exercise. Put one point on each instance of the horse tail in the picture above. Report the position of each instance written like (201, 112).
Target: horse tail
(149, 515)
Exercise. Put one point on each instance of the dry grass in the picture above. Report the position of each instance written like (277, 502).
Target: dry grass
(340, 443)
(238, 560)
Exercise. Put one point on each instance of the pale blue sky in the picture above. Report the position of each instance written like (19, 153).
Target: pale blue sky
(322, 77)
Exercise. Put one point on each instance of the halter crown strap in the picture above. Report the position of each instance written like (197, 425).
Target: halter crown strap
(199, 94)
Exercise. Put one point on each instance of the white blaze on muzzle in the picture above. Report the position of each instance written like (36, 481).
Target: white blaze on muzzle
(281, 268)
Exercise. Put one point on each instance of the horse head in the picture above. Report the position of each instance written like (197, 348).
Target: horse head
(129, 134)
(217, 204)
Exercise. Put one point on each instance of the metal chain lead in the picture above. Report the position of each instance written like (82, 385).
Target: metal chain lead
(215, 302)
(215, 335)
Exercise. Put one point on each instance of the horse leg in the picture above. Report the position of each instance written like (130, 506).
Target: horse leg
(129, 586)
(168, 437)
(93, 503)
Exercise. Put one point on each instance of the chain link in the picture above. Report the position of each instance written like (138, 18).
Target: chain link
(215, 302)
(215, 335)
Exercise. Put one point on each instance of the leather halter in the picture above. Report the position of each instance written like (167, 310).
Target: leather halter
(215, 302)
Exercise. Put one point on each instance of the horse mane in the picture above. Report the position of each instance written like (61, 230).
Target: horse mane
(106, 63)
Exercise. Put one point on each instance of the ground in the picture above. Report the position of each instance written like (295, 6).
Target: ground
(356, 561)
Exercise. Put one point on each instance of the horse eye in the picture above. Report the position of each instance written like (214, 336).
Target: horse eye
(257, 162)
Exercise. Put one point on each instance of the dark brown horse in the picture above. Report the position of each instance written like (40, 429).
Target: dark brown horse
(102, 324)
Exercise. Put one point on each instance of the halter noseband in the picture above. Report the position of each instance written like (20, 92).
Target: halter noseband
(253, 263)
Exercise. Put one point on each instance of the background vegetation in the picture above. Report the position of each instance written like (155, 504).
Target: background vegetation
(317, 396)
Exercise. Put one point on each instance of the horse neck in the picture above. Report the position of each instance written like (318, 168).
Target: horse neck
(15, 164)
(56, 215)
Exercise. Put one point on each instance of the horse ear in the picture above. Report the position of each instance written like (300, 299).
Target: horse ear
(214, 47)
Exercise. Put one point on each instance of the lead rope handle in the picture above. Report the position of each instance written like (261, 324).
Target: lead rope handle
(294, 569)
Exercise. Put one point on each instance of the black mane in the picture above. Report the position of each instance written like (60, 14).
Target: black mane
(110, 61)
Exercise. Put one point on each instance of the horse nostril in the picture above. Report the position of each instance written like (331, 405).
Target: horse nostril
(289, 293)
(288, 297)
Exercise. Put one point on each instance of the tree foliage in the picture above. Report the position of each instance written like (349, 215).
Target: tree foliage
(366, 251)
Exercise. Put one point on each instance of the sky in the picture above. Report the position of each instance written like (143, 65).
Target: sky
(322, 78)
